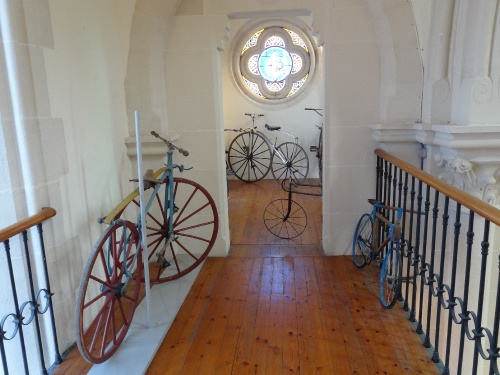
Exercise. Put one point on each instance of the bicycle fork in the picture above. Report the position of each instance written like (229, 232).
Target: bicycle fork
(289, 208)
(168, 233)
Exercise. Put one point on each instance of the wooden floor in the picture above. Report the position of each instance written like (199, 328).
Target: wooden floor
(279, 306)
(247, 203)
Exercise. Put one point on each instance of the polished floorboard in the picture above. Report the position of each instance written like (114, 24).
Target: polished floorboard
(277, 306)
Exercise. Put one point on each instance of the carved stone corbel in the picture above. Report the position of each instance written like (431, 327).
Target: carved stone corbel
(477, 176)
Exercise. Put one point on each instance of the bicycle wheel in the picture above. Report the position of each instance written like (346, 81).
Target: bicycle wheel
(362, 241)
(290, 161)
(195, 226)
(284, 223)
(390, 278)
(249, 156)
(109, 292)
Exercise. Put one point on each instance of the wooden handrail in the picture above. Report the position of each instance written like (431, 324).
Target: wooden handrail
(484, 209)
(25, 224)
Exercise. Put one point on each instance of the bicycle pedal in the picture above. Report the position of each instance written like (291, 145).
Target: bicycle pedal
(162, 261)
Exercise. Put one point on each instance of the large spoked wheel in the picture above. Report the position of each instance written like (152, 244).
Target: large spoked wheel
(109, 292)
(195, 225)
(390, 278)
(284, 221)
(249, 157)
(362, 241)
(290, 162)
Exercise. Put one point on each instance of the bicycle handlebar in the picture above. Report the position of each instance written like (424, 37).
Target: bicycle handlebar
(170, 144)
(253, 115)
(315, 110)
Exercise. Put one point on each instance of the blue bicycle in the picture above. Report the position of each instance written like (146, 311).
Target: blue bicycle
(368, 245)
(181, 224)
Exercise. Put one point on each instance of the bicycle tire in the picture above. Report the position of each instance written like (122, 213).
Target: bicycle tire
(249, 156)
(104, 306)
(295, 165)
(362, 241)
(195, 227)
(282, 225)
(391, 278)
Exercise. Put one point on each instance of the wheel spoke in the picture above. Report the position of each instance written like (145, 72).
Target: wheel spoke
(249, 156)
(194, 228)
(284, 222)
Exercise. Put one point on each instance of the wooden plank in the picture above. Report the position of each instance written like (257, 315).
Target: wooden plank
(248, 319)
(183, 331)
(239, 281)
(289, 328)
(306, 342)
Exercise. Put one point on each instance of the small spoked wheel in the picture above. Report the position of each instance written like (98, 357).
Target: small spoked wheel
(249, 157)
(391, 278)
(109, 292)
(285, 218)
(195, 224)
(362, 241)
(290, 162)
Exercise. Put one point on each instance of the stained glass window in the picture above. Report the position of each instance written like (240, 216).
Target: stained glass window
(275, 63)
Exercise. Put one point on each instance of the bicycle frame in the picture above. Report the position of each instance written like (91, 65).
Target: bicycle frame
(166, 176)
(376, 217)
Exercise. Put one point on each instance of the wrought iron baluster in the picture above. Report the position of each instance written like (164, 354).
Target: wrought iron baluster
(378, 178)
(416, 253)
(464, 315)
(451, 289)
(439, 279)
(496, 354)
(423, 267)
(485, 245)
(400, 187)
(394, 190)
(18, 319)
(33, 303)
(403, 230)
(431, 280)
(386, 174)
(49, 295)
(409, 250)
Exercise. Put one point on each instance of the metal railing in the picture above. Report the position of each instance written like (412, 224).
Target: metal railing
(23, 336)
(451, 289)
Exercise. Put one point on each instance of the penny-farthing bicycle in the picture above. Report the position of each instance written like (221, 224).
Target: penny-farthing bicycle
(181, 228)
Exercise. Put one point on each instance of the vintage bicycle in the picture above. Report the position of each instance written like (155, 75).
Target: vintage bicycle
(367, 245)
(285, 217)
(181, 223)
(318, 148)
(251, 154)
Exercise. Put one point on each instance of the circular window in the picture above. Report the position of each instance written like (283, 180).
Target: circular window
(273, 63)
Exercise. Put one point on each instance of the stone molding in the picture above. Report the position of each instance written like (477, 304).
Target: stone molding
(468, 156)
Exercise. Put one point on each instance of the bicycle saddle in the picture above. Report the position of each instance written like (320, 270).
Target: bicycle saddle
(375, 202)
(148, 179)
(272, 128)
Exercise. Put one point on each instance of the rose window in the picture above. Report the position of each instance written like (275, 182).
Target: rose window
(275, 63)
